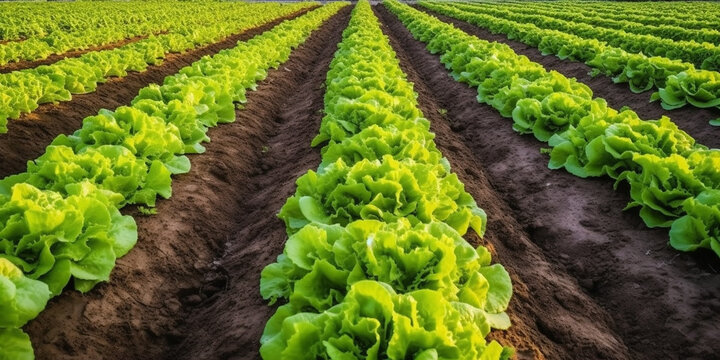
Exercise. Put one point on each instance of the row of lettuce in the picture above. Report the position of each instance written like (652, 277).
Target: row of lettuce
(689, 14)
(674, 180)
(60, 220)
(26, 19)
(617, 13)
(625, 27)
(375, 266)
(702, 54)
(23, 91)
(678, 83)
(81, 25)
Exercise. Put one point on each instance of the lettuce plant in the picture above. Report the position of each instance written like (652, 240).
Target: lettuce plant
(374, 142)
(53, 237)
(384, 190)
(374, 322)
(21, 300)
(700, 227)
(375, 266)
(700, 88)
(321, 262)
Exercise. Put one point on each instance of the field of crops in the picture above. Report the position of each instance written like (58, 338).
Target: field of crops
(432, 180)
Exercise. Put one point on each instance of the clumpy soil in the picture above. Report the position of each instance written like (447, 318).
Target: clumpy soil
(28, 136)
(643, 299)
(226, 203)
(229, 326)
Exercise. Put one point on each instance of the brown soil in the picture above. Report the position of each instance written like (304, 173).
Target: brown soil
(22, 65)
(28, 136)
(229, 325)
(689, 118)
(591, 281)
(11, 40)
(190, 289)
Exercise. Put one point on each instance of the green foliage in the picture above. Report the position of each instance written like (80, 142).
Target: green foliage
(52, 237)
(613, 19)
(22, 91)
(700, 228)
(669, 175)
(375, 266)
(21, 299)
(60, 220)
(321, 262)
(651, 44)
(386, 190)
(699, 88)
(643, 61)
(374, 322)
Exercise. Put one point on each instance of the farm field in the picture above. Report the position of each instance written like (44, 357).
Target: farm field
(385, 180)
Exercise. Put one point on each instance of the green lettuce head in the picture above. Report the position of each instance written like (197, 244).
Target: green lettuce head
(21, 300)
(373, 322)
(321, 262)
(382, 190)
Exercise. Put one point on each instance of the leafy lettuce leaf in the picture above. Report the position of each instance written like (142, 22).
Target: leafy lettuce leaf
(383, 190)
(374, 322)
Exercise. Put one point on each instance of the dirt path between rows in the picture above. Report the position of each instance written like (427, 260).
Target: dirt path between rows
(171, 292)
(689, 118)
(591, 281)
(28, 136)
(229, 325)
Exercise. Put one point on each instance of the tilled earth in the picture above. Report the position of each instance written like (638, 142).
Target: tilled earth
(591, 280)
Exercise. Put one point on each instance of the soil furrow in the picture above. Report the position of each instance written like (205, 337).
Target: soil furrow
(591, 281)
(28, 136)
(2, 42)
(689, 118)
(22, 65)
(239, 183)
(229, 324)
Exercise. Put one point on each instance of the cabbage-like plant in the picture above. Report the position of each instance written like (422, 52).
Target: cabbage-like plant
(385, 190)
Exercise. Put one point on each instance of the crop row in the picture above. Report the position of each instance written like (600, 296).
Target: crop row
(673, 180)
(691, 14)
(678, 83)
(663, 19)
(23, 91)
(25, 20)
(674, 32)
(704, 55)
(104, 25)
(375, 266)
(60, 219)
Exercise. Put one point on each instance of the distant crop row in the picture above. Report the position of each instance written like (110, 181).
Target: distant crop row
(36, 31)
(25, 20)
(679, 83)
(688, 14)
(375, 266)
(23, 91)
(673, 180)
(627, 26)
(60, 219)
